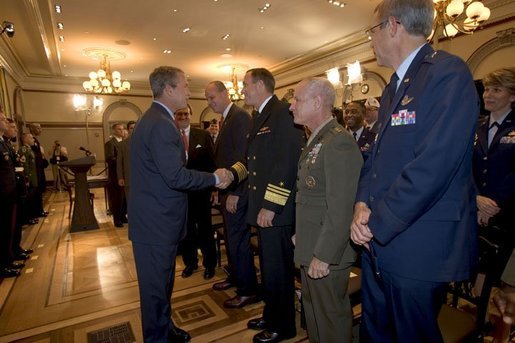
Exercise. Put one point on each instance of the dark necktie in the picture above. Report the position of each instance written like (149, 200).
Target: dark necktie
(392, 86)
(492, 130)
(221, 123)
(355, 136)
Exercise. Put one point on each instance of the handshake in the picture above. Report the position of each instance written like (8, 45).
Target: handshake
(225, 178)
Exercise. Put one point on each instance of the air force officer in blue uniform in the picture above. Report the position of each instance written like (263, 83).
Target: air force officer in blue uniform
(158, 202)
(415, 207)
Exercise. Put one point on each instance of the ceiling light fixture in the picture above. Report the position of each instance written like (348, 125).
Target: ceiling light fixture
(226, 36)
(167, 51)
(8, 28)
(105, 82)
(454, 16)
(57, 9)
(337, 3)
(186, 29)
(264, 8)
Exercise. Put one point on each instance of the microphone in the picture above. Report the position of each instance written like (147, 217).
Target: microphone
(85, 150)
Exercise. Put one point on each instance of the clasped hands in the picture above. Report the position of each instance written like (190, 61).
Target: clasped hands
(225, 178)
(359, 231)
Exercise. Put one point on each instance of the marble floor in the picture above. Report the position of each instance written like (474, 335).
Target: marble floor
(75, 285)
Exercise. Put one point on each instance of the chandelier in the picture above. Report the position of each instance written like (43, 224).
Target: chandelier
(105, 82)
(234, 87)
(454, 16)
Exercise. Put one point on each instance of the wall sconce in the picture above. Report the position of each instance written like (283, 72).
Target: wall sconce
(80, 103)
(354, 72)
(333, 75)
(8, 28)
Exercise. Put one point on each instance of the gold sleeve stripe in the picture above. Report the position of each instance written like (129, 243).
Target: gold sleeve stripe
(279, 190)
(276, 198)
(241, 170)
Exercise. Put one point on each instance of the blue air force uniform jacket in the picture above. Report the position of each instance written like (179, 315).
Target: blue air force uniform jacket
(418, 180)
(494, 167)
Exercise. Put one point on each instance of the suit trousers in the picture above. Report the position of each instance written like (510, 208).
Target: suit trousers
(200, 231)
(155, 266)
(115, 197)
(277, 278)
(241, 259)
(397, 309)
(327, 306)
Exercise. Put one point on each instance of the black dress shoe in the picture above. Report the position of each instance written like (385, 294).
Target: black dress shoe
(7, 272)
(256, 324)
(178, 336)
(266, 336)
(16, 265)
(223, 285)
(44, 214)
(21, 256)
(25, 251)
(32, 221)
(118, 224)
(241, 300)
(209, 273)
(188, 271)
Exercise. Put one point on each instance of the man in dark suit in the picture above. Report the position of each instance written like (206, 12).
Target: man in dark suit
(327, 180)
(273, 152)
(41, 164)
(200, 156)
(115, 193)
(415, 208)
(122, 161)
(355, 119)
(158, 201)
(230, 148)
(213, 129)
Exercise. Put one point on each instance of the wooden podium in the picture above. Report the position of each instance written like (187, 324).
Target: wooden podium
(83, 216)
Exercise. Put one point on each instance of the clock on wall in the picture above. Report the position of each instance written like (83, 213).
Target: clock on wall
(365, 88)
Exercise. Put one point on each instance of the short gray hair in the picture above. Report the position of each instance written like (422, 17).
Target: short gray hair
(415, 15)
(324, 88)
(162, 76)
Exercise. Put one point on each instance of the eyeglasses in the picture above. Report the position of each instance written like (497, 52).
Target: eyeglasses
(372, 109)
(370, 31)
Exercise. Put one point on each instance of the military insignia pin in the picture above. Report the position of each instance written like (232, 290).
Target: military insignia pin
(406, 100)
(310, 181)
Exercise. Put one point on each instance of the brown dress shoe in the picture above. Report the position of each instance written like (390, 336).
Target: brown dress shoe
(223, 285)
(240, 301)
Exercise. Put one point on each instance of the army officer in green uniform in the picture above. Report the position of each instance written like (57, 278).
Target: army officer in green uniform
(327, 180)
(28, 161)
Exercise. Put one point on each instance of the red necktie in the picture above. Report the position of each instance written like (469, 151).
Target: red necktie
(184, 141)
